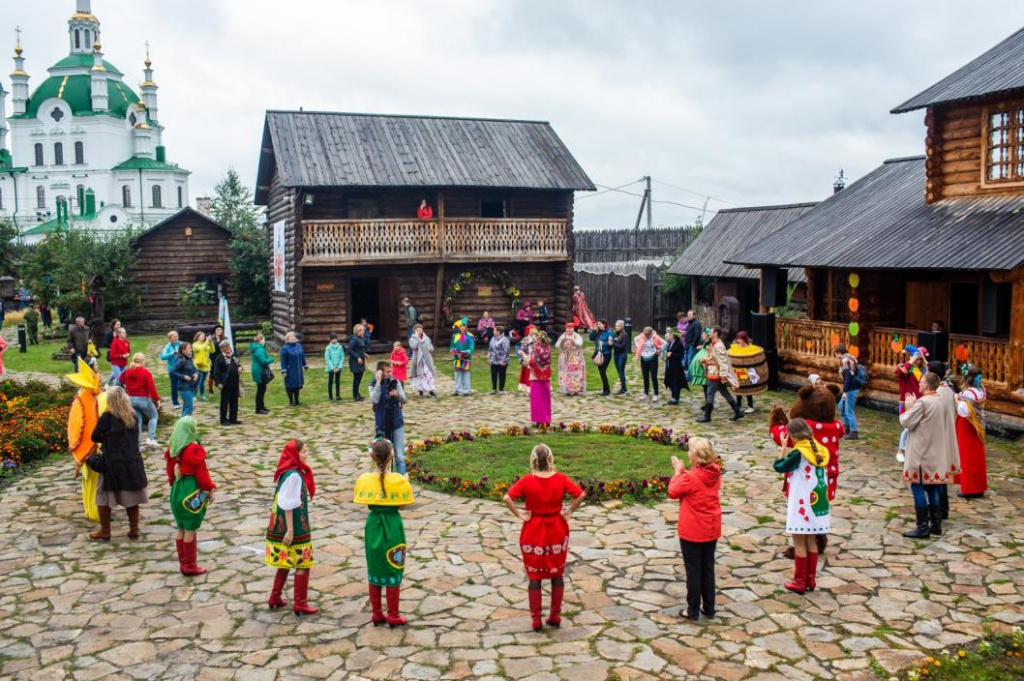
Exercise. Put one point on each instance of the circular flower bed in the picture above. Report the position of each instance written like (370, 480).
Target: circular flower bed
(625, 457)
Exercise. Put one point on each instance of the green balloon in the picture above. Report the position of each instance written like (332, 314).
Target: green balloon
(854, 329)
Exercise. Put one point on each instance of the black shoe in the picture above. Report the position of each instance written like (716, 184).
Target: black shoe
(433, 394)
(621, 392)
(690, 615)
(225, 423)
(935, 521)
(263, 412)
(236, 422)
(606, 393)
(421, 393)
(709, 614)
(736, 415)
(922, 529)
(672, 402)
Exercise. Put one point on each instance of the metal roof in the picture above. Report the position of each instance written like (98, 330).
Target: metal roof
(998, 70)
(881, 221)
(317, 149)
(732, 230)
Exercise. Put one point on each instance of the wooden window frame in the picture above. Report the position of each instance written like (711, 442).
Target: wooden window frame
(986, 148)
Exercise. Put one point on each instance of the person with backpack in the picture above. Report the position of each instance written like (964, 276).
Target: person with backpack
(854, 378)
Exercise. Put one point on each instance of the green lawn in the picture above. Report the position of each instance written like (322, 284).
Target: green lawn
(584, 455)
(994, 658)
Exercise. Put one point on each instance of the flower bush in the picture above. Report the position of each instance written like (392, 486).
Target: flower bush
(33, 422)
(999, 656)
(651, 489)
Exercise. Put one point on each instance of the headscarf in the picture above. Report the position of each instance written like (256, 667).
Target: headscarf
(184, 434)
(542, 353)
(290, 461)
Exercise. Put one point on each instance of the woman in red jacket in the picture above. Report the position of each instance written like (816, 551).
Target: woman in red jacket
(700, 523)
(138, 383)
(118, 354)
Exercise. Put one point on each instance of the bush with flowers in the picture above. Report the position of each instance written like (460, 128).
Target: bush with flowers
(33, 422)
(641, 488)
(996, 657)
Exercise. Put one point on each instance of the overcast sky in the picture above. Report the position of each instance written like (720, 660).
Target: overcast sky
(747, 102)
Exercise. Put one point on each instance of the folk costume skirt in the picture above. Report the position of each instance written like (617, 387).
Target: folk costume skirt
(385, 546)
(544, 541)
(973, 478)
(540, 401)
(188, 503)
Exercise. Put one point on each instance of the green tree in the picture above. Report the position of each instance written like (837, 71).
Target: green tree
(10, 251)
(232, 206)
(58, 270)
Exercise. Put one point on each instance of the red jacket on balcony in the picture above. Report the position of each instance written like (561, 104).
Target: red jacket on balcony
(425, 212)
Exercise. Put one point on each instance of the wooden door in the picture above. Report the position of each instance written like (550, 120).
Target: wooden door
(926, 302)
(389, 306)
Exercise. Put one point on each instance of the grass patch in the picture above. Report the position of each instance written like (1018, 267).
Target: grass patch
(994, 658)
(584, 455)
(762, 519)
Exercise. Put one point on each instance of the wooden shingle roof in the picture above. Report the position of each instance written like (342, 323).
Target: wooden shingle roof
(732, 230)
(314, 149)
(881, 221)
(999, 70)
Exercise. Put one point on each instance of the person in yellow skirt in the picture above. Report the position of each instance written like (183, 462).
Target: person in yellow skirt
(384, 493)
(86, 408)
(289, 543)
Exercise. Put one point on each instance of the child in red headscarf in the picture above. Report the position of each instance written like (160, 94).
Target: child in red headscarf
(288, 540)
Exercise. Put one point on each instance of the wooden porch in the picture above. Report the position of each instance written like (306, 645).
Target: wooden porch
(353, 242)
(806, 346)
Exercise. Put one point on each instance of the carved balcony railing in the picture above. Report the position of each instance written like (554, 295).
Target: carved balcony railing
(810, 337)
(351, 242)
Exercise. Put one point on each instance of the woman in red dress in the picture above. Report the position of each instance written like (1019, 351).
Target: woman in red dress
(544, 538)
(970, 436)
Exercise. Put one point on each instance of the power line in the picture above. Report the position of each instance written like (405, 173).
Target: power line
(609, 189)
(690, 191)
(640, 196)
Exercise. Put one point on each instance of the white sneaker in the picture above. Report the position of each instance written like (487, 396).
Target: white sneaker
(900, 458)
(644, 398)
(177, 407)
(655, 399)
(150, 442)
(748, 410)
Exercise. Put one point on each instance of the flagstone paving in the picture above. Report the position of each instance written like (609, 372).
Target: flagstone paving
(71, 608)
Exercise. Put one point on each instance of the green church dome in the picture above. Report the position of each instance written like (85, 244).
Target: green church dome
(76, 90)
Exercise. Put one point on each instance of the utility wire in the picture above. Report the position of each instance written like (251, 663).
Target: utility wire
(690, 191)
(609, 189)
(640, 196)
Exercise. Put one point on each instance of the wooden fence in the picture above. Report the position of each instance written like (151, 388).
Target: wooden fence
(618, 245)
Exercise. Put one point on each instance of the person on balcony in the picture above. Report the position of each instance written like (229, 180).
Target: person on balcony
(909, 376)
(932, 456)
(425, 212)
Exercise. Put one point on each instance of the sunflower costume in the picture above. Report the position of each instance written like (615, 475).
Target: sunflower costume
(89, 403)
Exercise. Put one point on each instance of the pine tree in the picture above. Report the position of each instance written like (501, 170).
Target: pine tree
(232, 207)
(232, 204)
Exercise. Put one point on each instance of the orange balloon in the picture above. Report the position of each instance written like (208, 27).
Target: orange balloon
(961, 353)
(834, 338)
(854, 350)
(854, 304)
(810, 344)
(896, 347)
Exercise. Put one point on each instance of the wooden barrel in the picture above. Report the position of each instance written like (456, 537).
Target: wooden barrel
(751, 367)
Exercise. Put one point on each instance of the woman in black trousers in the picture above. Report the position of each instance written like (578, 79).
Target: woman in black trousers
(227, 377)
(358, 346)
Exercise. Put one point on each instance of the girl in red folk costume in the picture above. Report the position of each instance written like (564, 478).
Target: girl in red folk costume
(970, 435)
(384, 493)
(191, 490)
(289, 542)
(544, 538)
(808, 512)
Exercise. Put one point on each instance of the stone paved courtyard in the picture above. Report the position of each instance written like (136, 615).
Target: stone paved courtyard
(71, 608)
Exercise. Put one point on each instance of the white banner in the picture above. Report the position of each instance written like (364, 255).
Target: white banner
(279, 283)
(225, 321)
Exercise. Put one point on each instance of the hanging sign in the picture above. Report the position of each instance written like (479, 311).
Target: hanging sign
(279, 279)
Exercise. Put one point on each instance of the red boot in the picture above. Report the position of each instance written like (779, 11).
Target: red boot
(188, 563)
(812, 569)
(555, 620)
(301, 606)
(394, 598)
(276, 600)
(536, 608)
(377, 616)
(799, 583)
(181, 553)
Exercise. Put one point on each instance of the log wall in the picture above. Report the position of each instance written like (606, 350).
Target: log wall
(282, 204)
(955, 151)
(169, 260)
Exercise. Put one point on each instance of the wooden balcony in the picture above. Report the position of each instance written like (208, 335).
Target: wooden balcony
(355, 242)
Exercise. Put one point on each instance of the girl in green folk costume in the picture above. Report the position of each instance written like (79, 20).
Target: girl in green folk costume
(384, 493)
(191, 490)
(289, 543)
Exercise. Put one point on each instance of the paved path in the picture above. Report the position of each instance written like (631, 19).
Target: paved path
(70, 608)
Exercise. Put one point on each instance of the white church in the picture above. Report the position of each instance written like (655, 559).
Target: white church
(85, 150)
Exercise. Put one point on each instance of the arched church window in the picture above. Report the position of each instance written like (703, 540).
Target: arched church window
(78, 39)
(58, 154)
(88, 38)
(40, 196)
(79, 153)
(158, 201)
(126, 196)
(39, 154)
(181, 197)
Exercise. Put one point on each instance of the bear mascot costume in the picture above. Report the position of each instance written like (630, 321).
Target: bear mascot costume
(816, 404)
